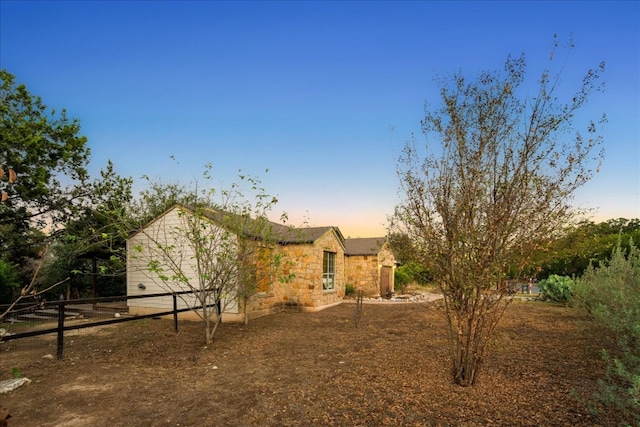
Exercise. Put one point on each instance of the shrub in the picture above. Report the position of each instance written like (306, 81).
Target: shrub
(556, 288)
(415, 272)
(610, 293)
(419, 273)
(401, 280)
(349, 290)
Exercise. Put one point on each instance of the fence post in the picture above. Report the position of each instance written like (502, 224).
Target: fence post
(175, 312)
(359, 298)
(60, 327)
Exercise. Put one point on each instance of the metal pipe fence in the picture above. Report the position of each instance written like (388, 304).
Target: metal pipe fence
(30, 320)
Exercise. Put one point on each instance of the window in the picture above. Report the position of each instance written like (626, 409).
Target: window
(328, 271)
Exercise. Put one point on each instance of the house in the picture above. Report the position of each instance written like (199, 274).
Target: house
(370, 265)
(314, 259)
(310, 274)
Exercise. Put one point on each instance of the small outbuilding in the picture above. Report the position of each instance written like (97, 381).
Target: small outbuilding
(370, 265)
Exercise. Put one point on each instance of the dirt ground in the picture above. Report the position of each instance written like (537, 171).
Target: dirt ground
(310, 369)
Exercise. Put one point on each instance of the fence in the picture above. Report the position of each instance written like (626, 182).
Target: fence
(59, 308)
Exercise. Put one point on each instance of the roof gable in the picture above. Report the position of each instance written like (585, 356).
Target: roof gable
(364, 246)
(291, 235)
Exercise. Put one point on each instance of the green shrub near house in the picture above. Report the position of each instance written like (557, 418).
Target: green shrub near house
(401, 280)
(349, 290)
(610, 294)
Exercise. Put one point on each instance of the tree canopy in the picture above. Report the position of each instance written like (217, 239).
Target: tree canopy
(48, 155)
(583, 244)
(48, 199)
(92, 243)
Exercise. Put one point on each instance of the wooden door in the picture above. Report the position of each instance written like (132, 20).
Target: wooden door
(385, 280)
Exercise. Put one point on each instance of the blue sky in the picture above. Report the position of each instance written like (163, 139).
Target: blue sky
(323, 94)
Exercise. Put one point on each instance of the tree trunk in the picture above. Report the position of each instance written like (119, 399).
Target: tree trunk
(244, 308)
(470, 325)
(208, 334)
(466, 365)
(465, 360)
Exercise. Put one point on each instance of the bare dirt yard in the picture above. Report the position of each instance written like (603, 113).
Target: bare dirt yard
(310, 369)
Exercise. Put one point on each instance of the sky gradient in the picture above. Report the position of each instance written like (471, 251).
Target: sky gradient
(322, 94)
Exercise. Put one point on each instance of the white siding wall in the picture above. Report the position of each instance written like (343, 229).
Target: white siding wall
(141, 249)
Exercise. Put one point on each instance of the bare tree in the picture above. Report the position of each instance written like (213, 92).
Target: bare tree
(496, 181)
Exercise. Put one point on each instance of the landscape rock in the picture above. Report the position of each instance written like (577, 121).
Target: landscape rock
(12, 384)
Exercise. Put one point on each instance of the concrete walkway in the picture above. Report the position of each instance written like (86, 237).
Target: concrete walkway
(398, 299)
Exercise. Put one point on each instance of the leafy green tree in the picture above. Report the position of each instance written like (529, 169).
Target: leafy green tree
(411, 270)
(90, 249)
(49, 157)
(44, 158)
(493, 184)
(9, 285)
(403, 248)
(44, 148)
(581, 245)
(157, 196)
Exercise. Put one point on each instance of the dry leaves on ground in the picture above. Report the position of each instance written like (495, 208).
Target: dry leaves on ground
(312, 369)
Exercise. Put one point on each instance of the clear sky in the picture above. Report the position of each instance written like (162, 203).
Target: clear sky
(323, 94)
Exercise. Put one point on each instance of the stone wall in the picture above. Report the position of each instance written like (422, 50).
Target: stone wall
(302, 262)
(363, 271)
(304, 290)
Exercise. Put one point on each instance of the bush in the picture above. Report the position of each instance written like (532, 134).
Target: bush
(556, 288)
(349, 290)
(415, 272)
(610, 293)
(401, 280)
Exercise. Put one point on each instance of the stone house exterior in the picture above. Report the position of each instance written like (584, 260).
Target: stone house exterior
(311, 259)
(314, 258)
(370, 265)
